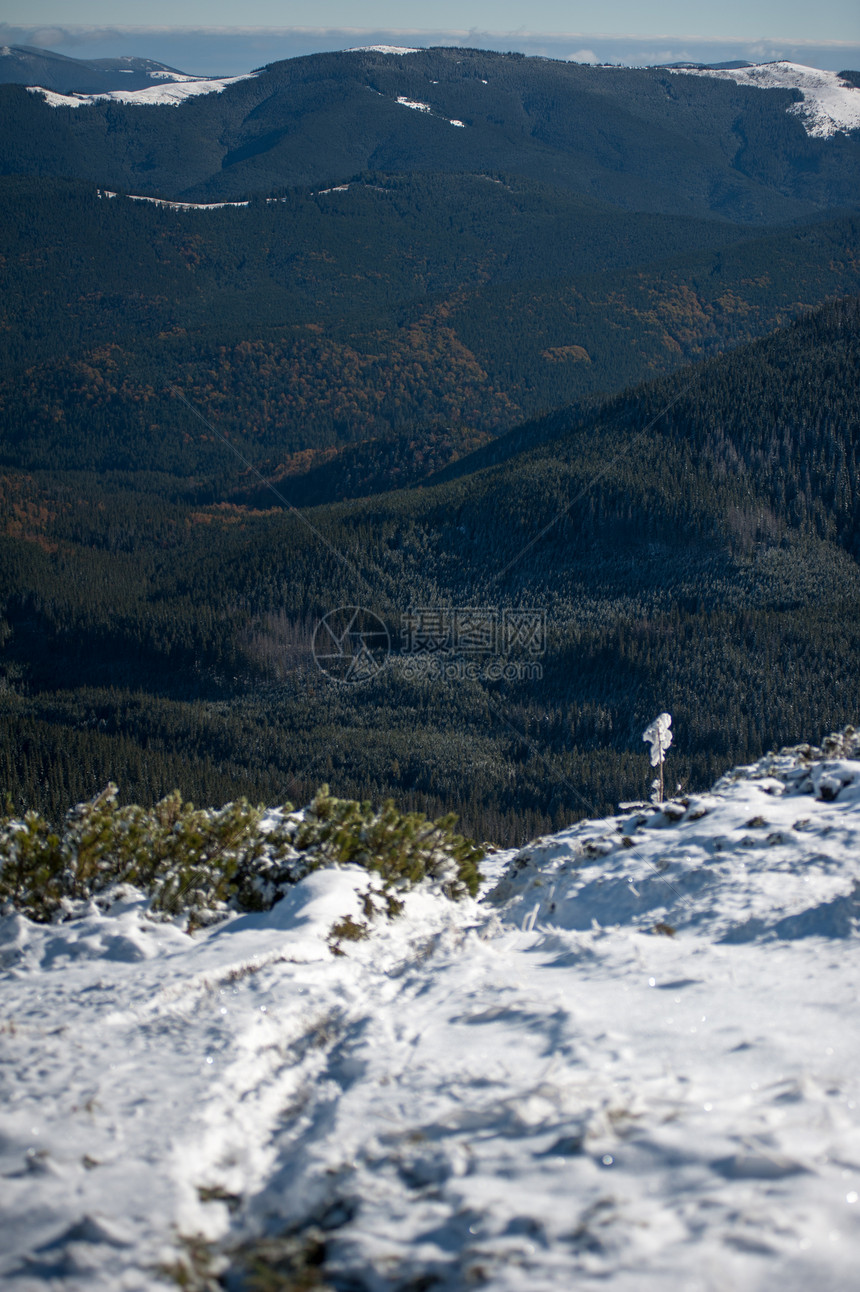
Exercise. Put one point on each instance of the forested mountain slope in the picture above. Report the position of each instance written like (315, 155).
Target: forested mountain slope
(392, 290)
(424, 311)
(693, 544)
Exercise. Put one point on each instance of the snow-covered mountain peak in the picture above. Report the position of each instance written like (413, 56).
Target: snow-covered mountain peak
(830, 105)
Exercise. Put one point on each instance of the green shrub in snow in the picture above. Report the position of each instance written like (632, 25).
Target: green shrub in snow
(401, 848)
(204, 862)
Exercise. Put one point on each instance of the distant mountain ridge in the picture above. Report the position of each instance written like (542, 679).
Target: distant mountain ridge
(649, 139)
(28, 65)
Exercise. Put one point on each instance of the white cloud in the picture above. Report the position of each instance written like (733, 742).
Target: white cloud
(583, 56)
(47, 37)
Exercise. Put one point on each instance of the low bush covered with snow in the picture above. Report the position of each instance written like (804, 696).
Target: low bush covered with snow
(204, 863)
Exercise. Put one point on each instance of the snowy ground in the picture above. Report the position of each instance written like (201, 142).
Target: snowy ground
(531, 1091)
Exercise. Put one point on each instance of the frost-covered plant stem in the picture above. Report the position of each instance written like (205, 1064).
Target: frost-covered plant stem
(659, 736)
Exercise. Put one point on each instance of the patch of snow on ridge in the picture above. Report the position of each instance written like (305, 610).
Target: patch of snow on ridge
(186, 206)
(413, 103)
(553, 1086)
(175, 206)
(382, 49)
(171, 92)
(418, 106)
(829, 105)
(172, 76)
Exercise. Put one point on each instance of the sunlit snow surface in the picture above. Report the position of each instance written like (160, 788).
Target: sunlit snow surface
(418, 106)
(383, 49)
(829, 105)
(172, 92)
(536, 1089)
(413, 103)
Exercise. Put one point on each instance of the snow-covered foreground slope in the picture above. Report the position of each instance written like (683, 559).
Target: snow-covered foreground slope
(829, 105)
(535, 1090)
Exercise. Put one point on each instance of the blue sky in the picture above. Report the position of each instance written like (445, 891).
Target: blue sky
(213, 37)
(829, 20)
